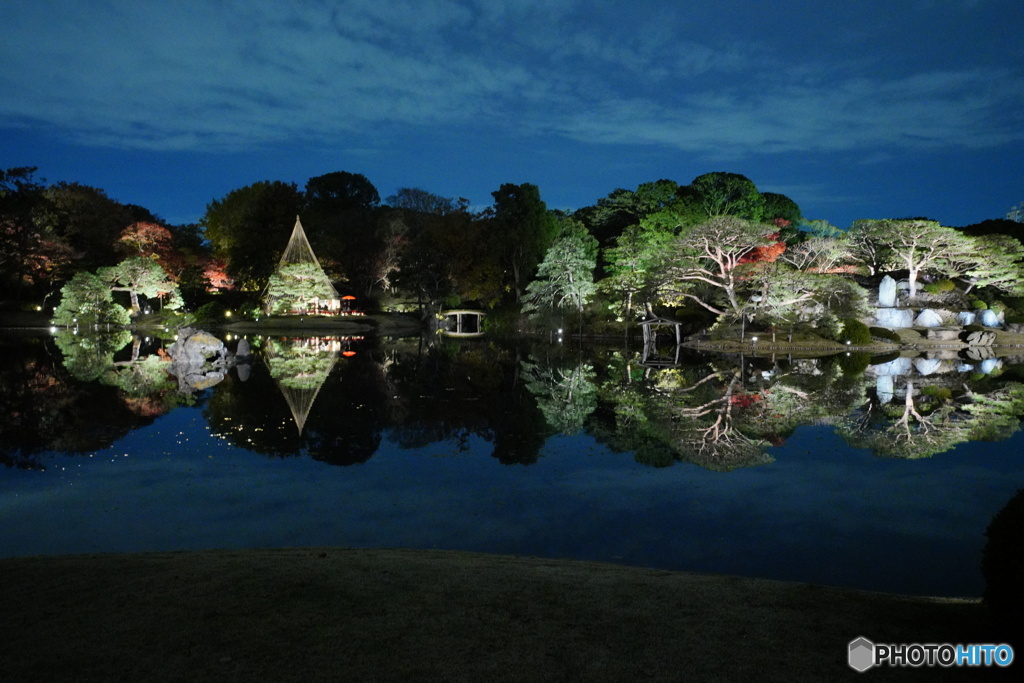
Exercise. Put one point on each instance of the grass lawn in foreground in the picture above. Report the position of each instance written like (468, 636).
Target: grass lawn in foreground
(332, 614)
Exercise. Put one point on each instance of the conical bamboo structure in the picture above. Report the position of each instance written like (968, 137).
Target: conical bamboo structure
(299, 284)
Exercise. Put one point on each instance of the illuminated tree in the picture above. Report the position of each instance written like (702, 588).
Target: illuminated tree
(297, 286)
(249, 227)
(154, 241)
(789, 296)
(565, 278)
(662, 201)
(566, 394)
(141, 276)
(729, 194)
(780, 207)
(818, 254)
(914, 245)
(706, 265)
(996, 261)
(86, 300)
(637, 253)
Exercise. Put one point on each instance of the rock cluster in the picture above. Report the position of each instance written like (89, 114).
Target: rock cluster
(198, 359)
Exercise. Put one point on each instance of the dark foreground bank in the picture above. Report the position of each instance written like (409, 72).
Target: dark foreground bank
(334, 614)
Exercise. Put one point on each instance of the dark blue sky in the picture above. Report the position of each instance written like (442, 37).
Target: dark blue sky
(859, 110)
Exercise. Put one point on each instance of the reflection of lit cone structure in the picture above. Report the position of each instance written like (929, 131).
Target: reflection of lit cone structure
(300, 367)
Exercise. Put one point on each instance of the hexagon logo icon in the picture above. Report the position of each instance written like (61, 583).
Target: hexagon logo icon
(861, 654)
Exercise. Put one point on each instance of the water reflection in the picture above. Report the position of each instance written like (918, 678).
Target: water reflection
(334, 398)
(437, 427)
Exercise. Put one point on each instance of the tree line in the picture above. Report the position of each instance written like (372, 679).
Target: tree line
(715, 249)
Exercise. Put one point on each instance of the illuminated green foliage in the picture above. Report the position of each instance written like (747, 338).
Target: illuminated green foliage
(86, 301)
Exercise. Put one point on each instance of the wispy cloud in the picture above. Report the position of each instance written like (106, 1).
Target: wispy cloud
(230, 75)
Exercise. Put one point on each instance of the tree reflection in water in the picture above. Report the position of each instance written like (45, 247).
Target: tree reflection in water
(337, 399)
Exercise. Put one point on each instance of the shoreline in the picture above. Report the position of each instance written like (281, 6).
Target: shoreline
(408, 325)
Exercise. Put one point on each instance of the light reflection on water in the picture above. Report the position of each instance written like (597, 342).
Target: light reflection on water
(820, 511)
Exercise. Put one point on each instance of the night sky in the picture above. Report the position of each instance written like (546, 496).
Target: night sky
(855, 110)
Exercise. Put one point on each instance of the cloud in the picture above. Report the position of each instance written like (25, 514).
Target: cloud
(233, 75)
(929, 110)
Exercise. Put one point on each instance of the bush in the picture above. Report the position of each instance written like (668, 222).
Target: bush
(937, 392)
(854, 363)
(940, 287)
(884, 333)
(212, 312)
(978, 305)
(885, 358)
(856, 332)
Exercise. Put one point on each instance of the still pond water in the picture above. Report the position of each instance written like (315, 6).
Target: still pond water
(882, 477)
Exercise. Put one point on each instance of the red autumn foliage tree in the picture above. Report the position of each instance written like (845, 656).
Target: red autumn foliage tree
(155, 241)
(768, 253)
(216, 274)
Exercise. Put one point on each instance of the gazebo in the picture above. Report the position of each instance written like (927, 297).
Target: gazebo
(655, 329)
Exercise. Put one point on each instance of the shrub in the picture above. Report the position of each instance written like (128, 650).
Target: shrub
(854, 363)
(212, 312)
(937, 392)
(884, 333)
(978, 305)
(885, 358)
(940, 287)
(856, 332)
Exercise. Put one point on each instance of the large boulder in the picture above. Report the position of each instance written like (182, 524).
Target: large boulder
(930, 366)
(979, 338)
(928, 318)
(966, 318)
(191, 360)
(195, 347)
(894, 368)
(887, 293)
(942, 334)
(894, 318)
(990, 318)
(978, 354)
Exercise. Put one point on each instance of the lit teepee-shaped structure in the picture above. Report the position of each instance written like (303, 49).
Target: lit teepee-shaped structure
(299, 285)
